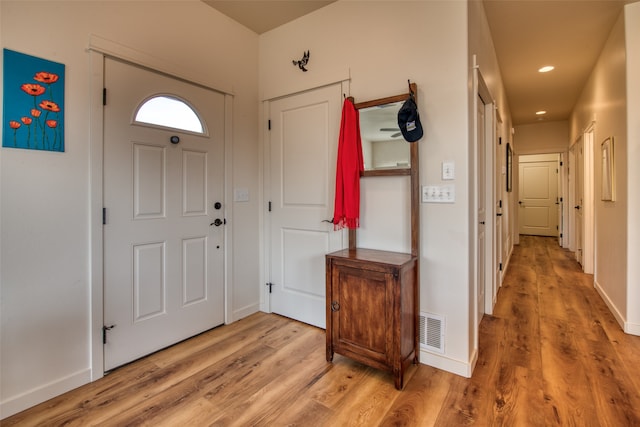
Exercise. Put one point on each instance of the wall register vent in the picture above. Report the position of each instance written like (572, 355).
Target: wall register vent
(432, 332)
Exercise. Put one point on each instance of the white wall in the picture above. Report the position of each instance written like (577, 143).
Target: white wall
(380, 45)
(632, 32)
(544, 137)
(603, 101)
(45, 197)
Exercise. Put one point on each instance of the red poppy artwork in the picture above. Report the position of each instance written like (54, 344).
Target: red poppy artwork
(33, 103)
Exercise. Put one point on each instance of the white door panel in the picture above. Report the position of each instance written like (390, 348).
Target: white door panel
(579, 200)
(538, 197)
(302, 158)
(163, 262)
(481, 196)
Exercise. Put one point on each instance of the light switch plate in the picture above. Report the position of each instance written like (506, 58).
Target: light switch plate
(439, 193)
(241, 195)
(448, 171)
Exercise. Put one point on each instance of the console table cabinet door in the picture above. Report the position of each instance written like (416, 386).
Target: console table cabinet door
(363, 321)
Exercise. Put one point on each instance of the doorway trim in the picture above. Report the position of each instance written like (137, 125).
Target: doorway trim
(100, 48)
(481, 91)
(588, 254)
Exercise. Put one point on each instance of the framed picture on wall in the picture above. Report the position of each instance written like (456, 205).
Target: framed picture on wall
(509, 168)
(33, 102)
(608, 187)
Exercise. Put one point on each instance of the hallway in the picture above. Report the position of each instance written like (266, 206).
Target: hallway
(551, 355)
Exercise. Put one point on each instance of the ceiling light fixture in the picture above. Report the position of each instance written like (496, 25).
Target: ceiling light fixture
(541, 112)
(546, 69)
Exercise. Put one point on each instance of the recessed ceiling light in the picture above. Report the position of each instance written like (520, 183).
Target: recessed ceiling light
(541, 112)
(546, 69)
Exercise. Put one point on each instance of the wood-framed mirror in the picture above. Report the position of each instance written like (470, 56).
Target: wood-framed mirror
(385, 151)
(402, 167)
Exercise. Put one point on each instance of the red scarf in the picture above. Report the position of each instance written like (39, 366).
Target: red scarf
(348, 168)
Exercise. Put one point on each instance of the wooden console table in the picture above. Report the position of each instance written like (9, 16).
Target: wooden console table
(371, 314)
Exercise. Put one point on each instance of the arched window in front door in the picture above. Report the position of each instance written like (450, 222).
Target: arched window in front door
(171, 112)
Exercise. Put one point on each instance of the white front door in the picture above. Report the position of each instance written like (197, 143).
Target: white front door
(538, 192)
(302, 161)
(163, 261)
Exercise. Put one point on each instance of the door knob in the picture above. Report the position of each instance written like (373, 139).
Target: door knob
(218, 222)
(335, 306)
(577, 207)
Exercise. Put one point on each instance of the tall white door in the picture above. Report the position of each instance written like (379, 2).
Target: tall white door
(163, 261)
(481, 196)
(302, 161)
(499, 189)
(538, 195)
(579, 197)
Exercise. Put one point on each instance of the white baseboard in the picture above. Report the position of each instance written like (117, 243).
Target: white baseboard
(612, 307)
(245, 311)
(628, 327)
(464, 369)
(632, 328)
(40, 394)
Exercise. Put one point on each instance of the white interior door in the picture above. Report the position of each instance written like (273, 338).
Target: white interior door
(481, 197)
(163, 261)
(500, 187)
(579, 197)
(538, 195)
(302, 159)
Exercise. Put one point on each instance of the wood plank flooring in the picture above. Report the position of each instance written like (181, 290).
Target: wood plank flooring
(551, 355)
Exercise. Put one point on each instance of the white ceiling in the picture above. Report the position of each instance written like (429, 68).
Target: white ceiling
(527, 34)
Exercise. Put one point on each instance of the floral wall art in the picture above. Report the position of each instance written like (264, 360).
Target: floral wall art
(33, 105)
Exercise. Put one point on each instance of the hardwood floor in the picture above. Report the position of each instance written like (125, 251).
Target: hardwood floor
(552, 354)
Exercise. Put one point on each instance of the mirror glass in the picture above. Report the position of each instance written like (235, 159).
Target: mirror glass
(383, 146)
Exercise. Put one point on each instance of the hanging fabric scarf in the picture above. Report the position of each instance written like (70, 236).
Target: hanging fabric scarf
(350, 164)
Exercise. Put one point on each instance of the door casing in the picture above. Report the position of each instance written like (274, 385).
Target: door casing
(482, 95)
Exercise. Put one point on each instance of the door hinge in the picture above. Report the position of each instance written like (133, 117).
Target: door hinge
(104, 216)
(269, 205)
(500, 203)
(269, 124)
(557, 228)
(499, 140)
(561, 163)
(500, 266)
(105, 329)
(270, 285)
(560, 234)
(104, 96)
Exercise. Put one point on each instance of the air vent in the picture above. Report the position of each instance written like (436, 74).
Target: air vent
(432, 332)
